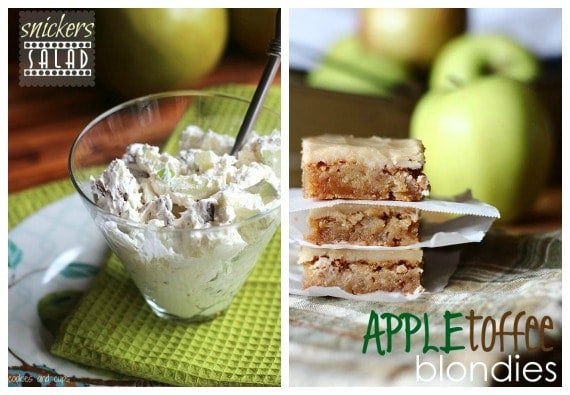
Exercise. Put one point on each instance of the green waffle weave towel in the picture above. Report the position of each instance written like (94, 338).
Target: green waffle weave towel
(113, 328)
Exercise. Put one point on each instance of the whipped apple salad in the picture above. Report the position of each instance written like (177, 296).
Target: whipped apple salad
(189, 227)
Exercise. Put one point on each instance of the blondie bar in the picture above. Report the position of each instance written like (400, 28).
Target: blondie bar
(348, 167)
(363, 271)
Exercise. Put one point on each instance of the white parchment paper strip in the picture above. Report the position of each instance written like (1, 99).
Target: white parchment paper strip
(474, 220)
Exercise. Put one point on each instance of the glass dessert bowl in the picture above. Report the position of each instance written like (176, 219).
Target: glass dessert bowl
(187, 220)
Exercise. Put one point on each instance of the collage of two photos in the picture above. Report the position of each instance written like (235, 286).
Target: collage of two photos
(410, 235)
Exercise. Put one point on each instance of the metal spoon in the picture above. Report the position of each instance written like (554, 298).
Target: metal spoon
(274, 52)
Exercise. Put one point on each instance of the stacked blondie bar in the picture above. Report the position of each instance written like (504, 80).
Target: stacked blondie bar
(361, 173)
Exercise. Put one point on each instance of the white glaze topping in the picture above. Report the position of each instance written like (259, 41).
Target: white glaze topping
(369, 151)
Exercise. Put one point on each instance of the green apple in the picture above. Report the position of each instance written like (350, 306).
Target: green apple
(146, 50)
(487, 133)
(411, 35)
(469, 57)
(348, 67)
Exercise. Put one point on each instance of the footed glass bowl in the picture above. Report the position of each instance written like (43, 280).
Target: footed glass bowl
(185, 275)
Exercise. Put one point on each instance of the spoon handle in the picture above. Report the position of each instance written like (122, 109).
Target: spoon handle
(274, 52)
